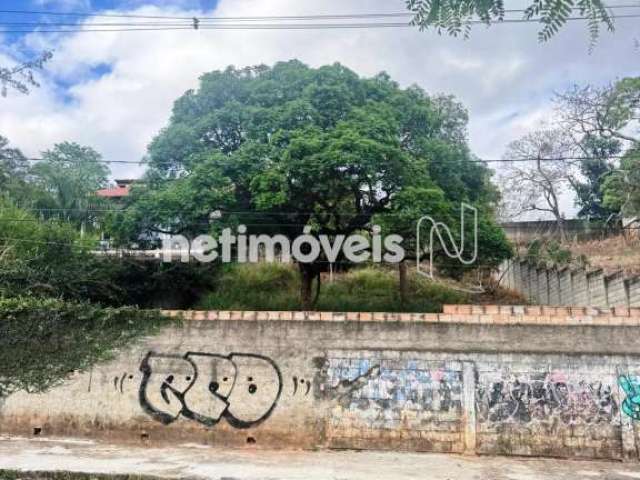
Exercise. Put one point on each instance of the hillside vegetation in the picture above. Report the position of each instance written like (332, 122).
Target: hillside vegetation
(276, 287)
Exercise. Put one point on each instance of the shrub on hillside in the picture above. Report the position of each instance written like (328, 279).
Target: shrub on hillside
(276, 286)
(43, 341)
(48, 259)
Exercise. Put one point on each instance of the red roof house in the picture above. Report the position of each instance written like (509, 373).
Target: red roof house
(120, 190)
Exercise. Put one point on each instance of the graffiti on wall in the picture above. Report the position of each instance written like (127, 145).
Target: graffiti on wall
(545, 397)
(631, 387)
(205, 387)
(300, 384)
(386, 393)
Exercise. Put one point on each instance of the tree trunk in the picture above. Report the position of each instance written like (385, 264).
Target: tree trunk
(402, 277)
(306, 283)
(561, 229)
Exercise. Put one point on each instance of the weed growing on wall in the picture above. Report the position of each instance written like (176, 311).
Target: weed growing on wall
(44, 341)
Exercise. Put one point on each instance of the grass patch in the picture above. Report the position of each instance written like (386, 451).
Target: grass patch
(271, 286)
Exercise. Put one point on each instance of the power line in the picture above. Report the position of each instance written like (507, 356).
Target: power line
(27, 240)
(87, 14)
(470, 160)
(259, 18)
(170, 21)
(249, 213)
(226, 212)
(97, 24)
(281, 26)
(159, 29)
(129, 253)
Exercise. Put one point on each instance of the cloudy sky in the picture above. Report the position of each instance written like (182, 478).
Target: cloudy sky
(114, 91)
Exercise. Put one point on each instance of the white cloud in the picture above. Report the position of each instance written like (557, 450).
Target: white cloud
(64, 4)
(503, 75)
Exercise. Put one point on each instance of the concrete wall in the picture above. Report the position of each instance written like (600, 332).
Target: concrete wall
(596, 289)
(554, 288)
(577, 287)
(543, 286)
(492, 379)
(566, 287)
(580, 230)
(617, 289)
(533, 284)
(633, 286)
(580, 287)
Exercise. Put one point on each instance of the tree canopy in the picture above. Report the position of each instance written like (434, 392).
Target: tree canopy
(284, 148)
(456, 17)
(603, 122)
(21, 77)
(65, 181)
(621, 189)
(13, 166)
(536, 186)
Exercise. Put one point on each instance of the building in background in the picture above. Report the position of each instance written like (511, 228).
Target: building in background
(120, 190)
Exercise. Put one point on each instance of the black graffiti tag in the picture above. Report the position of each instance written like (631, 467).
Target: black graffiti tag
(546, 397)
(301, 383)
(204, 387)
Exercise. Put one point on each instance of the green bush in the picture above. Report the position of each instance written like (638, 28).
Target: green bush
(150, 284)
(264, 286)
(43, 341)
(48, 259)
(272, 286)
(376, 289)
(551, 253)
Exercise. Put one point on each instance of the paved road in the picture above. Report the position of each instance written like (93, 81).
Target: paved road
(214, 463)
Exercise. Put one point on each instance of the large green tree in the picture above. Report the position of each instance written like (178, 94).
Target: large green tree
(593, 169)
(13, 166)
(621, 189)
(64, 183)
(284, 148)
(610, 111)
(604, 122)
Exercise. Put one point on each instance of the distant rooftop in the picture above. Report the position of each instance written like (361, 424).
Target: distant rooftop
(121, 189)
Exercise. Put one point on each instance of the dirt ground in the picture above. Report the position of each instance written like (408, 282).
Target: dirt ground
(611, 254)
(196, 461)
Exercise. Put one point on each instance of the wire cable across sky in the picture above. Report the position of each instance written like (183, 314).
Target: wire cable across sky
(280, 22)
(466, 160)
(345, 16)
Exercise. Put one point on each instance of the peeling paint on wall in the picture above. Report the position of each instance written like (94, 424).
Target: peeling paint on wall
(381, 393)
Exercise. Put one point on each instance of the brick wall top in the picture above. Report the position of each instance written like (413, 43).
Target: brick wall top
(479, 314)
(538, 310)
